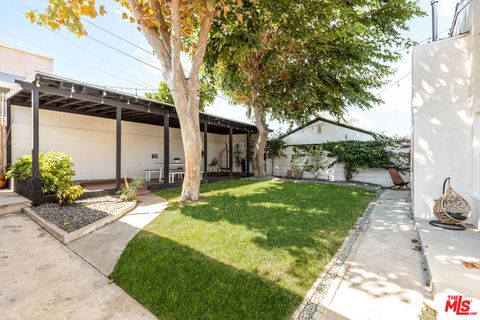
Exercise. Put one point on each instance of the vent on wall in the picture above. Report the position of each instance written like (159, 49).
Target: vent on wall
(319, 128)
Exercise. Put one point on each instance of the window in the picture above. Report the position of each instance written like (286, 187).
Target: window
(462, 22)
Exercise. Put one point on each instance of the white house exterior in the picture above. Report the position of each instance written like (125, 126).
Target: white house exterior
(446, 114)
(91, 143)
(321, 130)
(73, 120)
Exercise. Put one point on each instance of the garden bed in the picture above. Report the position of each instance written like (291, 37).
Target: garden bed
(67, 223)
(82, 212)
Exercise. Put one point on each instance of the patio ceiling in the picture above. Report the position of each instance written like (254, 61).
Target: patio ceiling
(66, 95)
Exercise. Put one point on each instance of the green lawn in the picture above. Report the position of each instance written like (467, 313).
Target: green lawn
(247, 250)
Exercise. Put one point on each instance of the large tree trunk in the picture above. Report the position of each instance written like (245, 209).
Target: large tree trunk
(167, 43)
(259, 151)
(166, 40)
(192, 148)
(187, 105)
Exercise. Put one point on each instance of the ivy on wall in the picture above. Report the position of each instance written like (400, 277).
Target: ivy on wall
(382, 152)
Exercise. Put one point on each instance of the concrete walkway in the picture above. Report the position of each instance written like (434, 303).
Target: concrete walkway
(103, 247)
(40, 278)
(384, 277)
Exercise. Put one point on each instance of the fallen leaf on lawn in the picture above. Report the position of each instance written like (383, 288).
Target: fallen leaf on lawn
(428, 313)
(470, 265)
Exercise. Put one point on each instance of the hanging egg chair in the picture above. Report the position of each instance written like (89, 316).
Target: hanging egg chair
(450, 209)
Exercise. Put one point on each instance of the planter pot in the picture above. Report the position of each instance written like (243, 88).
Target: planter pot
(23, 187)
(3, 181)
(295, 174)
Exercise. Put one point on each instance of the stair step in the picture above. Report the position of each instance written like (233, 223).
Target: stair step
(15, 207)
(11, 202)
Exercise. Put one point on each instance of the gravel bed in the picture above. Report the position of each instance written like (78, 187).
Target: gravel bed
(82, 212)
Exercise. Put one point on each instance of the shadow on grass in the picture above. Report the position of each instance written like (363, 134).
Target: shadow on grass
(296, 217)
(247, 250)
(176, 282)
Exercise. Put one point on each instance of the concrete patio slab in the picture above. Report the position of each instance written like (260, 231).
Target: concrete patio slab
(11, 202)
(384, 277)
(42, 279)
(103, 247)
(444, 251)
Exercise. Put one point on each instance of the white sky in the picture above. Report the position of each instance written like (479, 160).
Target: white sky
(87, 60)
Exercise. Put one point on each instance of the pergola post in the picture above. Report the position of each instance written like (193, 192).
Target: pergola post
(248, 153)
(205, 151)
(166, 148)
(230, 151)
(8, 134)
(118, 162)
(36, 182)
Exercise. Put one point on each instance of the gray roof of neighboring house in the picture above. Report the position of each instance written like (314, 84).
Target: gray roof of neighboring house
(331, 122)
(7, 77)
(7, 81)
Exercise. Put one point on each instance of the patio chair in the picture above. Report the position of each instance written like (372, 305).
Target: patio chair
(450, 209)
(223, 160)
(397, 179)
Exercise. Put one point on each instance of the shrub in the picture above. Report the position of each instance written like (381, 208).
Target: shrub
(275, 148)
(295, 169)
(129, 190)
(68, 194)
(317, 161)
(381, 152)
(56, 170)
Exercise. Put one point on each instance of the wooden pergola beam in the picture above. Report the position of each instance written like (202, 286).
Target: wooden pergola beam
(166, 147)
(36, 182)
(118, 162)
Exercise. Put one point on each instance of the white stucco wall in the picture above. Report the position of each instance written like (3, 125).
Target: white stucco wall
(91, 142)
(329, 132)
(336, 173)
(442, 123)
(23, 63)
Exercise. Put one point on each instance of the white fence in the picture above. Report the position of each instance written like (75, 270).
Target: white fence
(279, 167)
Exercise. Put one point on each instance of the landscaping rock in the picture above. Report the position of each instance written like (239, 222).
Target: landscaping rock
(82, 212)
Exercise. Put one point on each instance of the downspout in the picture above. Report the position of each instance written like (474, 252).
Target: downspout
(434, 4)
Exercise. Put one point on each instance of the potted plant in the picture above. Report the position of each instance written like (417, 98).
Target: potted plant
(213, 164)
(3, 169)
(3, 179)
(176, 159)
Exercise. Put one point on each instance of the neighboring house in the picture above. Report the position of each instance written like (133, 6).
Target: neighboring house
(446, 114)
(109, 134)
(16, 64)
(321, 130)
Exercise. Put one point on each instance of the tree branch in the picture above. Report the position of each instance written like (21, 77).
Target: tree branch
(205, 26)
(162, 29)
(153, 38)
(176, 41)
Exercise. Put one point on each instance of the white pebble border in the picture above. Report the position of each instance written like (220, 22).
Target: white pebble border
(314, 297)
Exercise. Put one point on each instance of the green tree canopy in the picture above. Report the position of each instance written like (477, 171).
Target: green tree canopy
(294, 59)
(208, 92)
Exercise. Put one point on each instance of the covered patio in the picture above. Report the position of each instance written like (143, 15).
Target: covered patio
(42, 91)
